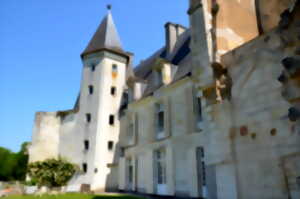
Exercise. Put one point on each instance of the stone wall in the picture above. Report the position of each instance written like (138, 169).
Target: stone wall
(45, 137)
(264, 142)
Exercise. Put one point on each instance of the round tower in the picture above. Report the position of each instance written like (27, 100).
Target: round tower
(103, 80)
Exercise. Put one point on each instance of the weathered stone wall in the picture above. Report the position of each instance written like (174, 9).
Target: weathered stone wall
(269, 12)
(45, 137)
(264, 143)
(229, 23)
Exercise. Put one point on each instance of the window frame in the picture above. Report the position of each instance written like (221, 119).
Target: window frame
(160, 159)
(160, 120)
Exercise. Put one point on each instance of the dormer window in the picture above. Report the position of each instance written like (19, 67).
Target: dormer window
(158, 77)
(160, 121)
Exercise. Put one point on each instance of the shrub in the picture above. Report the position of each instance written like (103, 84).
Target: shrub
(51, 172)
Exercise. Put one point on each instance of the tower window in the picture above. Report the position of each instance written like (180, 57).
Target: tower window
(88, 117)
(111, 119)
(93, 67)
(113, 90)
(110, 145)
(115, 68)
(91, 89)
(84, 167)
(86, 144)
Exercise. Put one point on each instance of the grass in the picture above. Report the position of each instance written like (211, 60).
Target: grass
(73, 196)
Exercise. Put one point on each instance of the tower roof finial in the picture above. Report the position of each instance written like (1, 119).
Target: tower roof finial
(109, 7)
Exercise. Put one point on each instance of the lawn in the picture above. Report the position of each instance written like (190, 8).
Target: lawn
(73, 196)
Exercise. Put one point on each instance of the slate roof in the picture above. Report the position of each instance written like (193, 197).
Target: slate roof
(106, 37)
(180, 58)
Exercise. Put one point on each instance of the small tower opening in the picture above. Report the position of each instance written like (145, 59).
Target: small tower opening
(84, 167)
(114, 68)
(86, 145)
(111, 120)
(113, 90)
(88, 117)
(110, 145)
(91, 89)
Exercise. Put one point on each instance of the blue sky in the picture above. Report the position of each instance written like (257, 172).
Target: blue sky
(41, 42)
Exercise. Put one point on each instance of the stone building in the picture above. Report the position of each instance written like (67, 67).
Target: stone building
(213, 113)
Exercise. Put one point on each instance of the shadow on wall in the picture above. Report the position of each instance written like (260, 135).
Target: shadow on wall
(111, 184)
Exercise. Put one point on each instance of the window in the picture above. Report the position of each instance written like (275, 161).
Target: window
(91, 89)
(86, 144)
(84, 167)
(160, 162)
(160, 118)
(131, 133)
(197, 109)
(111, 120)
(158, 76)
(110, 145)
(114, 68)
(201, 168)
(88, 117)
(93, 67)
(113, 90)
(122, 152)
(129, 165)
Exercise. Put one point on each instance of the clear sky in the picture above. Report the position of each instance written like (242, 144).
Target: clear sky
(40, 46)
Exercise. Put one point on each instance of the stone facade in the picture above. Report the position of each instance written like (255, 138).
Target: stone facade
(214, 113)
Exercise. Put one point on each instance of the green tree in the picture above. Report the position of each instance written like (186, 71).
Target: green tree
(22, 161)
(13, 166)
(51, 172)
(6, 164)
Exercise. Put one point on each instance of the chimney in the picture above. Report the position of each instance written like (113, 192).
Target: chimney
(173, 31)
(171, 37)
(179, 30)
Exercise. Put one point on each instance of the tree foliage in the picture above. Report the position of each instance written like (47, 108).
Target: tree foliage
(51, 172)
(13, 165)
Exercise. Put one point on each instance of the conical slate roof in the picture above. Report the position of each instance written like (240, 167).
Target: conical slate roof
(106, 37)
